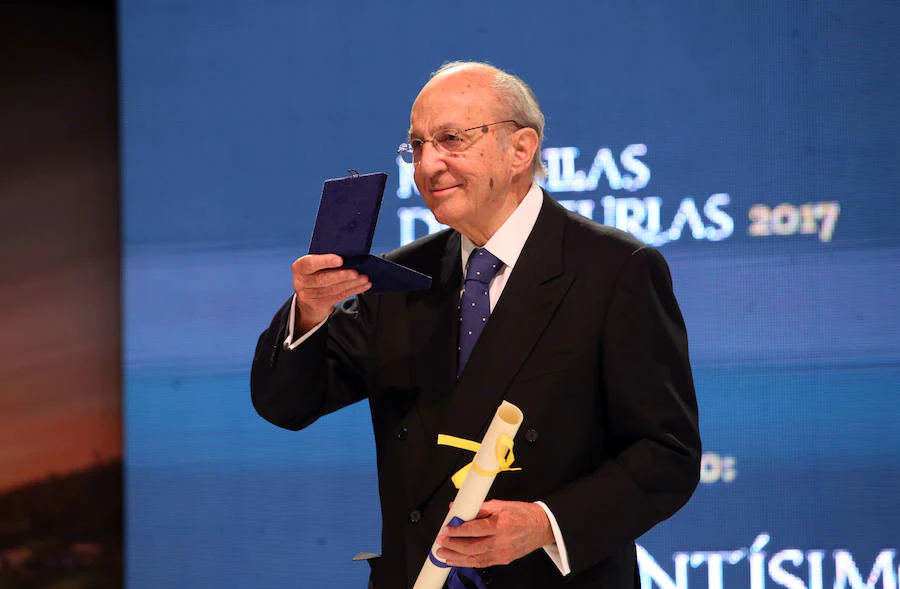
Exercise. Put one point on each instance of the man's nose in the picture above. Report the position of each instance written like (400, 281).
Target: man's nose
(431, 158)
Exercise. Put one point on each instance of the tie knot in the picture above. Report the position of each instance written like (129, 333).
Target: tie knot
(483, 265)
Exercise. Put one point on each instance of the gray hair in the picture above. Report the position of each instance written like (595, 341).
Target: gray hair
(517, 99)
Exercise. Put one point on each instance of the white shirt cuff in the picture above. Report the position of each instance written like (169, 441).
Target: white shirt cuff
(557, 550)
(290, 344)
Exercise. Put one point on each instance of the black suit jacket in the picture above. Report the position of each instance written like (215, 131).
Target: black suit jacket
(587, 339)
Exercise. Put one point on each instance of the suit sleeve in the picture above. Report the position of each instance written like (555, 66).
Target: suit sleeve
(654, 440)
(291, 388)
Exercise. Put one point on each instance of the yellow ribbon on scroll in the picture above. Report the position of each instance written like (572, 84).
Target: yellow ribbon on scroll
(503, 450)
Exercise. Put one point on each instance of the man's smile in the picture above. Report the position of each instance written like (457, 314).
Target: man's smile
(443, 190)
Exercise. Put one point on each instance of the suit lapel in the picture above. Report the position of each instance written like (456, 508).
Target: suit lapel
(433, 325)
(434, 330)
(530, 297)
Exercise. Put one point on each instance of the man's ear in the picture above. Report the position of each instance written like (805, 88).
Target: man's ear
(524, 144)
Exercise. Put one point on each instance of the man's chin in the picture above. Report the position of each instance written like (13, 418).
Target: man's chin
(444, 214)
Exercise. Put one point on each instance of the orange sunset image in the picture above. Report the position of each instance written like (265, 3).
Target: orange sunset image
(60, 375)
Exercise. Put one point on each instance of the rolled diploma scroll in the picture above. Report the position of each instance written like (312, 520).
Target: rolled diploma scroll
(475, 488)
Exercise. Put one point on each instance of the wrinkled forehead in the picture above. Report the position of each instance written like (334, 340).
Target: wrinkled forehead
(453, 100)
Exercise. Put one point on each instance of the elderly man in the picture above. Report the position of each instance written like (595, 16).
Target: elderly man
(574, 322)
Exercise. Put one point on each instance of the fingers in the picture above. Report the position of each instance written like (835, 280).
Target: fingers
(319, 276)
(320, 283)
(475, 528)
(502, 532)
(468, 550)
(480, 525)
(330, 286)
(472, 543)
(312, 263)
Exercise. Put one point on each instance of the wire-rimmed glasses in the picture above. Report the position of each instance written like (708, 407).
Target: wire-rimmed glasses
(446, 141)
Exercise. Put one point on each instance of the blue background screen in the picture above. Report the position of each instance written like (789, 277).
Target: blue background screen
(756, 144)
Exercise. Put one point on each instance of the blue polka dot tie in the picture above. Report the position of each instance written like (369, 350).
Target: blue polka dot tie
(475, 303)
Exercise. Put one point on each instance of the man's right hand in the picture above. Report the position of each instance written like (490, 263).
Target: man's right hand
(320, 284)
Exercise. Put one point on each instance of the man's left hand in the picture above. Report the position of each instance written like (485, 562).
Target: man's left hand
(502, 532)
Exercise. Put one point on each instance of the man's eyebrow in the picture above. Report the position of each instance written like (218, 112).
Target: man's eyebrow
(439, 128)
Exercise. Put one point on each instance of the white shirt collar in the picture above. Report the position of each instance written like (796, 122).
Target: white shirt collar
(508, 241)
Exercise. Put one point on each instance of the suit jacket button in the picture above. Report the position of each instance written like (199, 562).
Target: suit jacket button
(415, 516)
(402, 433)
(531, 435)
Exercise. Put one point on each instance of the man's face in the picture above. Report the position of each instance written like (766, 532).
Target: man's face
(468, 190)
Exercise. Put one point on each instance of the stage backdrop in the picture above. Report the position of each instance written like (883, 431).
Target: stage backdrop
(755, 143)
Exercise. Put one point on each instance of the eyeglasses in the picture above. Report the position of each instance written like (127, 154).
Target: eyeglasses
(447, 141)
